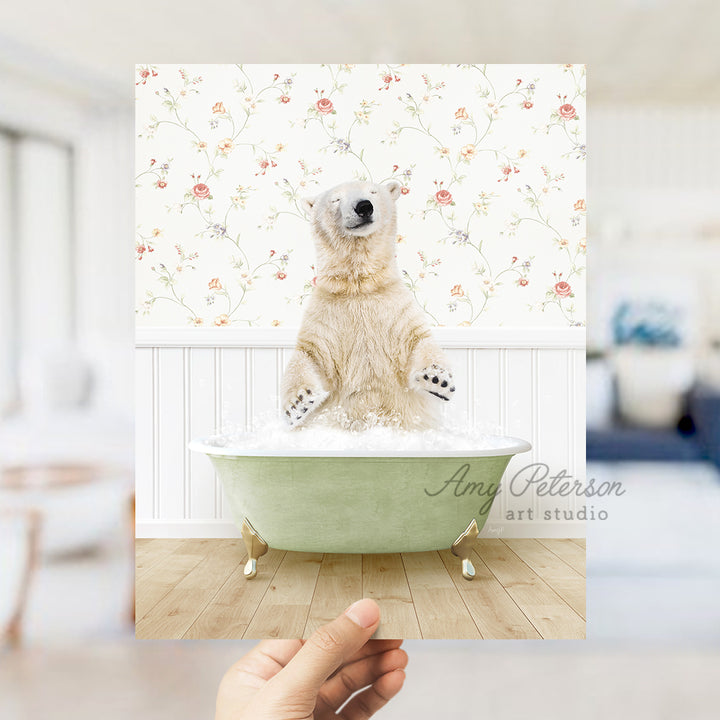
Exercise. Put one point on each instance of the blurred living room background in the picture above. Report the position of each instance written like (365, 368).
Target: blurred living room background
(653, 359)
(66, 340)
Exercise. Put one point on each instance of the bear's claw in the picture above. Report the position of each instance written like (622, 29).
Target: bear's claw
(298, 410)
(435, 380)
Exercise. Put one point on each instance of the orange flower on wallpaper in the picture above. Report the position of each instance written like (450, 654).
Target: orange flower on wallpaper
(222, 320)
(218, 107)
(457, 291)
(215, 284)
(580, 206)
(461, 114)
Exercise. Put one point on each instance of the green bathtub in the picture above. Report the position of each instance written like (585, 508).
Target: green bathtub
(350, 502)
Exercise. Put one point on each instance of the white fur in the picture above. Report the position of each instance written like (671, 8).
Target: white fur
(364, 351)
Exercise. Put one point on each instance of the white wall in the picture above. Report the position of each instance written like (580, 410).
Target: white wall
(45, 281)
(70, 262)
(7, 251)
(104, 254)
(524, 382)
(654, 179)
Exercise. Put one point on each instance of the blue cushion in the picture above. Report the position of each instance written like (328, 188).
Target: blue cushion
(642, 444)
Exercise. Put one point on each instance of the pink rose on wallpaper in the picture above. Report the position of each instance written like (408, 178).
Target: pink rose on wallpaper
(562, 289)
(281, 275)
(527, 105)
(284, 98)
(506, 171)
(201, 191)
(144, 74)
(522, 282)
(324, 106)
(567, 111)
(404, 190)
(443, 197)
(161, 184)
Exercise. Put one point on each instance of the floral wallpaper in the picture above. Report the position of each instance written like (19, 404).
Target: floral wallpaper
(491, 158)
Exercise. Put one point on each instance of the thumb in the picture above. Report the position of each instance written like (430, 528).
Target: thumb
(328, 648)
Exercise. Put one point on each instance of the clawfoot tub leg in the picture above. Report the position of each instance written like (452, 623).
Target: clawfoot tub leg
(463, 548)
(256, 547)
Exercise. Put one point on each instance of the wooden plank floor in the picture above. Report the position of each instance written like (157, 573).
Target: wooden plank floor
(523, 589)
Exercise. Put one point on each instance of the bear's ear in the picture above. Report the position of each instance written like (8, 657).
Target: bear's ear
(307, 204)
(394, 188)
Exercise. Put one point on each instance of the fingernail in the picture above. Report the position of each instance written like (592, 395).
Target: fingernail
(364, 613)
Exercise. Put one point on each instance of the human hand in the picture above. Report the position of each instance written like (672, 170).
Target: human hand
(311, 680)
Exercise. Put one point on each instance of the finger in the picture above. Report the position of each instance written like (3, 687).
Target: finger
(267, 658)
(351, 678)
(281, 651)
(374, 647)
(328, 648)
(365, 704)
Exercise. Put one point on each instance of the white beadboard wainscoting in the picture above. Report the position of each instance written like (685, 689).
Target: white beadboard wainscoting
(528, 382)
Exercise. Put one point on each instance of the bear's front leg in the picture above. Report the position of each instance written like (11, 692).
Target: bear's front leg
(428, 371)
(303, 390)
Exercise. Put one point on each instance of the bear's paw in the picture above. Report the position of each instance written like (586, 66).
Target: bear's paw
(304, 402)
(435, 380)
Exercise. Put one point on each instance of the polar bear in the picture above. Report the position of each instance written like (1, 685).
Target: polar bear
(364, 352)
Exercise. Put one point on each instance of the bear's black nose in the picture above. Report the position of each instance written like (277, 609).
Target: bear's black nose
(364, 209)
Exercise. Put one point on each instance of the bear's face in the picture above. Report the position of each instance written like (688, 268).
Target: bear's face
(354, 209)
